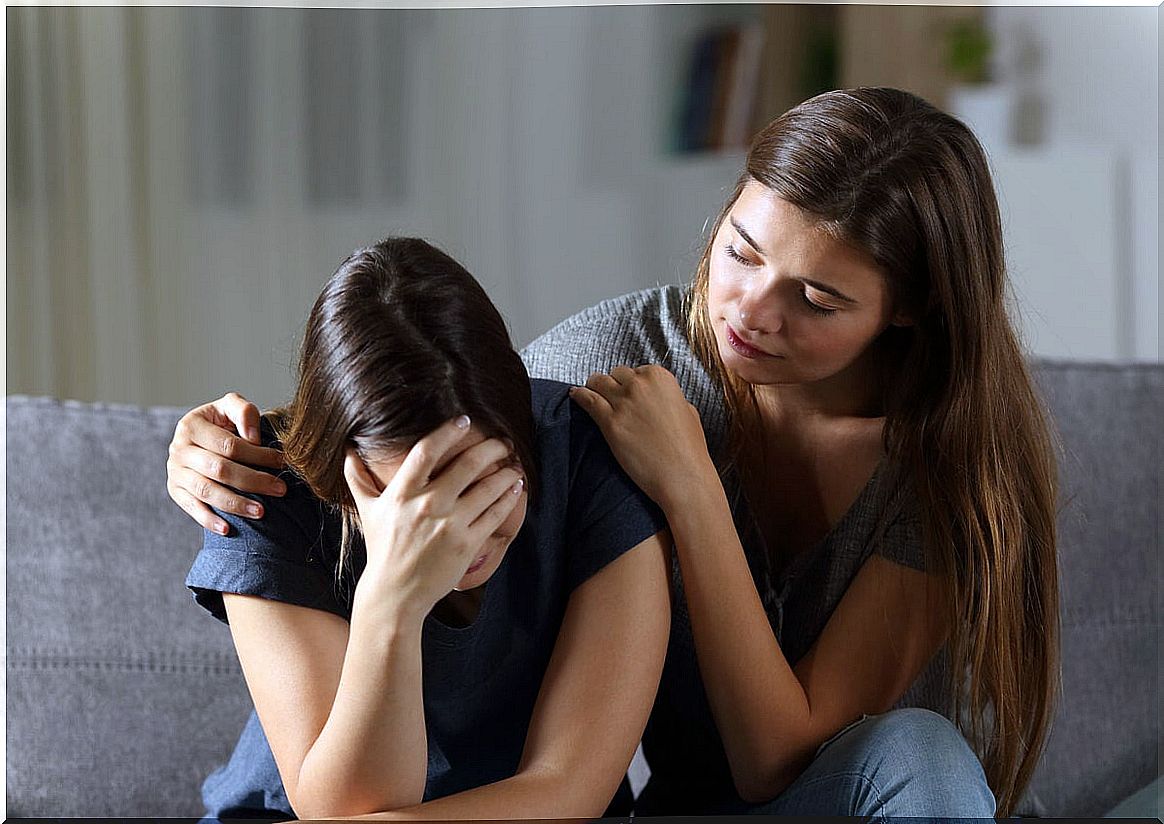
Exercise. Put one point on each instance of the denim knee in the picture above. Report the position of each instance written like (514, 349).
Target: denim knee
(903, 763)
(917, 763)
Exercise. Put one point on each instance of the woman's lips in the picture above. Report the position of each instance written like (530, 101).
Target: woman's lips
(742, 347)
(476, 565)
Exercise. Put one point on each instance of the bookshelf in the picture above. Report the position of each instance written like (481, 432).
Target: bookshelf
(751, 64)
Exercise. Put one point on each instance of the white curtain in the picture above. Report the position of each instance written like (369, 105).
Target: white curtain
(182, 180)
(79, 201)
(164, 235)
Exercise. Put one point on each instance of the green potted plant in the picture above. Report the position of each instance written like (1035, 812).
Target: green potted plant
(977, 97)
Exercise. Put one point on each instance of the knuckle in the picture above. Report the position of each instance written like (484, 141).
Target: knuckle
(203, 490)
(498, 450)
(216, 467)
(230, 447)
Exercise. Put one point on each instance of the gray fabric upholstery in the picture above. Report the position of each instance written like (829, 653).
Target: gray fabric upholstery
(1106, 738)
(122, 694)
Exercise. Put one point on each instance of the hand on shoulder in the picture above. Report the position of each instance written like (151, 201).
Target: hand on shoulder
(210, 459)
(654, 432)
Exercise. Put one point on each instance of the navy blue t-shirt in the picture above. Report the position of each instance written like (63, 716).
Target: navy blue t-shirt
(480, 681)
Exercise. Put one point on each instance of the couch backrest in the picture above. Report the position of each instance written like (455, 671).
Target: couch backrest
(122, 694)
(1106, 737)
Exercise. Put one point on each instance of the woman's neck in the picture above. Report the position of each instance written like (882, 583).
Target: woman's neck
(854, 392)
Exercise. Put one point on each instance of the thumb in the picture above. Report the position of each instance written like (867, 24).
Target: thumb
(243, 414)
(592, 403)
(361, 483)
(248, 423)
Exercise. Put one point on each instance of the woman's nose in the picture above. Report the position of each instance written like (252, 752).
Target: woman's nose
(759, 310)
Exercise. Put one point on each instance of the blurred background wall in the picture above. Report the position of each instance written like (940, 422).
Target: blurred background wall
(181, 181)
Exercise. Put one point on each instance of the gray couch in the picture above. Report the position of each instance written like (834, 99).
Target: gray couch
(122, 694)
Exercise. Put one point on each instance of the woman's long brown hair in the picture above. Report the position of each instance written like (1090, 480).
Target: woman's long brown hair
(400, 340)
(890, 174)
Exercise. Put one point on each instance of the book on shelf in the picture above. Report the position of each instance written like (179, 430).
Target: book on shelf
(718, 101)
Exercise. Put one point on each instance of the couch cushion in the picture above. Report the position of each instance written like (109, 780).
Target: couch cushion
(122, 694)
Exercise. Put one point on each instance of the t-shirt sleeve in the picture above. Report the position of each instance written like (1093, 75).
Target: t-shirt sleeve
(606, 513)
(901, 539)
(288, 555)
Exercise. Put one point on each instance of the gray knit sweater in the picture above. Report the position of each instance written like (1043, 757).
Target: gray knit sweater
(689, 771)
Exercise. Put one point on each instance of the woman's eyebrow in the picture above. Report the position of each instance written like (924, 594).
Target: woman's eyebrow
(744, 234)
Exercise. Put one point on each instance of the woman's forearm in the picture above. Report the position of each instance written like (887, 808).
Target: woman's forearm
(531, 794)
(760, 707)
(372, 752)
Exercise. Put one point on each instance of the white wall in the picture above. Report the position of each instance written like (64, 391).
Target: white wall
(1083, 203)
(527, 142)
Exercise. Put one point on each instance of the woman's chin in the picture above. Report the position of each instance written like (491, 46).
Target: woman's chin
(756, 371)
(481, 570)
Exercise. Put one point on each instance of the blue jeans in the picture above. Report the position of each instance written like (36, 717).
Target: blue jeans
(907, 762)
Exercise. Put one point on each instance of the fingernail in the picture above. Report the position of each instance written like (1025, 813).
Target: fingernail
(517, 486)
(462, 422)
(221, 529)
(252, 434)
(279, 488)
(253, 509)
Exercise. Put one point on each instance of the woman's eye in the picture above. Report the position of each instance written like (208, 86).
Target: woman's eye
(736, 256)
(815, 307)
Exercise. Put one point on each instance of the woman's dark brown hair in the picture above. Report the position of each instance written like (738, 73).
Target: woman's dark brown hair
(400, 340)
(892, 175)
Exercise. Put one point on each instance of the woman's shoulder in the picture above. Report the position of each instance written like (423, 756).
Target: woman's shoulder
(564, 431)
(550, 401)
(648, 326)
(892, 516)
(569, 441)
(585, 498)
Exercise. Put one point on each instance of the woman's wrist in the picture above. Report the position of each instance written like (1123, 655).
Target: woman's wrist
(389, 605)
(687, 487)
